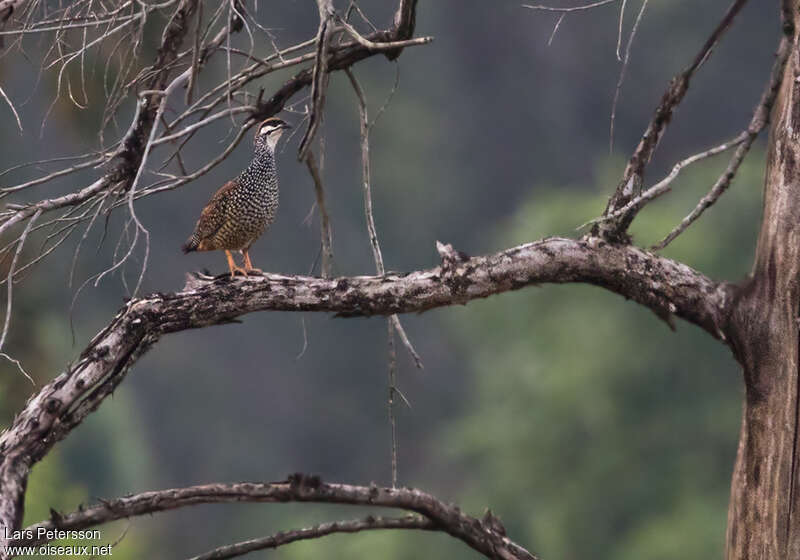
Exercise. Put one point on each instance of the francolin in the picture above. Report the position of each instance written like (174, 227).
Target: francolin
(245, 207)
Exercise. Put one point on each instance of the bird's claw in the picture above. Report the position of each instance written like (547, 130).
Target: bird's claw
(238, 269)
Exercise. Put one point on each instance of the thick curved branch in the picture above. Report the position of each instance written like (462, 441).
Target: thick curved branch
(663, 285)
(487, 536)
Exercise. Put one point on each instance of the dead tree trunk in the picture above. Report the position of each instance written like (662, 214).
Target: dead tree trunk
(764, 513)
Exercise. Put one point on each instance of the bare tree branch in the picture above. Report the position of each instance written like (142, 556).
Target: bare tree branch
(393, 323)
(623, 70)
(366, 181)
(487, 537)
(390, 399)
(584, 7)
(619, 28)
(11, 106)
(665, 184)
(632, 179)
(348, 526)
(319, 81)
(391, 45)
(757, 123)
(326, 235)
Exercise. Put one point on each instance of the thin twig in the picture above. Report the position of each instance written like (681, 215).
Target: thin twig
(319, 82)
(323, 529)
(758, 122)
(555, 28)
(54, 175)
(622, 71)
(13, 110)
(664, 185)
(632, 178)
(619, 29)
(326, 234)
(572, 9)
(10, 283)
(305, 338)
(390, 398)
(204, 122)
(401, 331)
(175, 84)
(387, 46)
(393, 322)
(366, 184)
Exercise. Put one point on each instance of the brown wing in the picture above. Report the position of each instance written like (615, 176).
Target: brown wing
(211, 220)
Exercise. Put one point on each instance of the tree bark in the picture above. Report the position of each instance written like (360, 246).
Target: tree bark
(764, 513)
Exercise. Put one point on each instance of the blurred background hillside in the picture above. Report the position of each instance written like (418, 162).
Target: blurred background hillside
(586, 425)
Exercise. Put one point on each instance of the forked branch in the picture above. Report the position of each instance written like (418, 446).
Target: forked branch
(631, 184)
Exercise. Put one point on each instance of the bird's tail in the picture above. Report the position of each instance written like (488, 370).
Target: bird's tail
(191, 245)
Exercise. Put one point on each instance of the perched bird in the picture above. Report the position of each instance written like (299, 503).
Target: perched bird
(243, 208)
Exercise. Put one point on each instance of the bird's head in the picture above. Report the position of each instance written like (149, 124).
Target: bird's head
(270, 131)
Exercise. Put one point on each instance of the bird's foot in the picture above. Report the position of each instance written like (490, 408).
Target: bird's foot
(238, 270)
(248, 264)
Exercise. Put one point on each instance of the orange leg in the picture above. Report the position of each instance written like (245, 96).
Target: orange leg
(232, 265)
(248, 265)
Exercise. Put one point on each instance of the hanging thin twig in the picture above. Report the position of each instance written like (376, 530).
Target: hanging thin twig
(326, 235)
(390, 398)
(622, 72)
(619, 29)
(555, 28)
(319, 83)
(393, 323)
(366, 184)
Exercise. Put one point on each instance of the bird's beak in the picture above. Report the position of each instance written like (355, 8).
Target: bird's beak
(286, 126)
